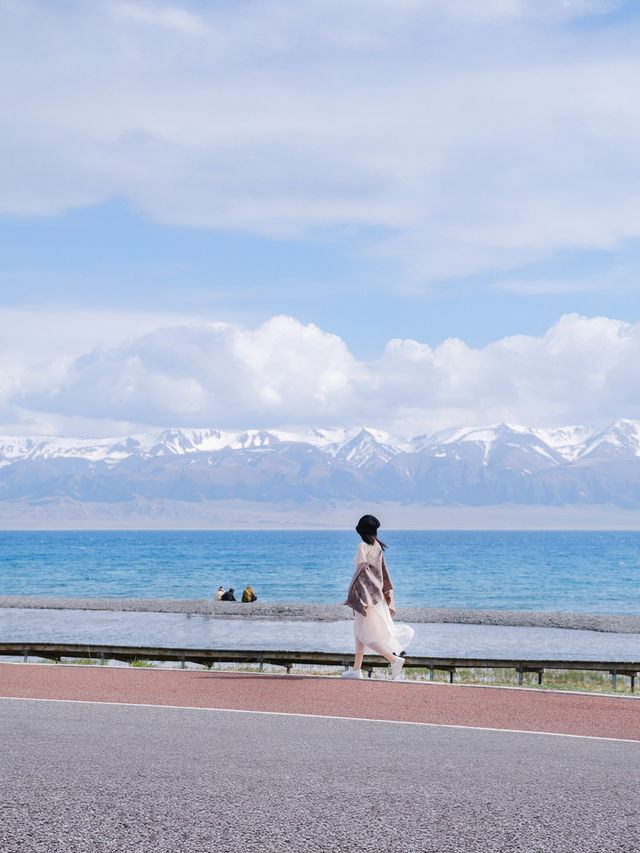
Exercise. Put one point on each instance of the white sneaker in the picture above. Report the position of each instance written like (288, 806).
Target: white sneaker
(352, 673)
(396, 668)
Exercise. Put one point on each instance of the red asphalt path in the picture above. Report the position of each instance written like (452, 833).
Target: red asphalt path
(441, 704)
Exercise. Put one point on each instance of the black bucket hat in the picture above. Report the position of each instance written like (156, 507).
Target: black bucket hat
(368, 525)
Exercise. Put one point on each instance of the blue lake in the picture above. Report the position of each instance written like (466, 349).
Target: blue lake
(588, 572)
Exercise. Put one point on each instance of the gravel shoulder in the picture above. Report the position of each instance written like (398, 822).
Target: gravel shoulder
(308, 612)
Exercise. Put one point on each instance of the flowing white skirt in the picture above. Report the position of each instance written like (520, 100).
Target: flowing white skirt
(378, 632)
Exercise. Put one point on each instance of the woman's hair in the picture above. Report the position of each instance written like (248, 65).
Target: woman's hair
(367, 528)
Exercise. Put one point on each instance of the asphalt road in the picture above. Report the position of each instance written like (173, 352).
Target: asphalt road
(78, 777)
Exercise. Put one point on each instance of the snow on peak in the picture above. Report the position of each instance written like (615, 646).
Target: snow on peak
(364, 446)
(356, 446)
(618, 439)
(254, 440)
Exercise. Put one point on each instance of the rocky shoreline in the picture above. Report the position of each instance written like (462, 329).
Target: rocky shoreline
(307, 612)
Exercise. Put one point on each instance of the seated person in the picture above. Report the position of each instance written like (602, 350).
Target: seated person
(219, 593)
(228, 595)
(249, 595)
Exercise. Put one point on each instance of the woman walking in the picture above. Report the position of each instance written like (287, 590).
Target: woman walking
(371, 598)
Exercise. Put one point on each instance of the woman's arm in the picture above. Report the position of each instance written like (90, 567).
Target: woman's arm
(361, 554)
(387, 588)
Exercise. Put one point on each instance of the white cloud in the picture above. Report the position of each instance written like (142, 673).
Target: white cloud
(540, 287)
(197, 373)
(483, 134)
(38, 349)
(161, 16)
(285, 373)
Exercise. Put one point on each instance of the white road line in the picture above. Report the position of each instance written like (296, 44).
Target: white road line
(319, 716)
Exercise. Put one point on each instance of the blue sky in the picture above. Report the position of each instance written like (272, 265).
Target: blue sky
(108, 256)
(440, 197)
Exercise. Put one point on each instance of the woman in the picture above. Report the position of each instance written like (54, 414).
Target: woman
(249, 595)
(371, 598)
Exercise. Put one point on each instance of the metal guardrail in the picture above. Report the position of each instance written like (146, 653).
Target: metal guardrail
(287, 659)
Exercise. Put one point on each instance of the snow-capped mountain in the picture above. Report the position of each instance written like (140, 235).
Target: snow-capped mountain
(470, 465)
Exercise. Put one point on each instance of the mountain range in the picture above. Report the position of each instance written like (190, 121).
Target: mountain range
(469, 466)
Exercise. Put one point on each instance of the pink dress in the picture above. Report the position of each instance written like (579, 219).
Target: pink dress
(371, 597)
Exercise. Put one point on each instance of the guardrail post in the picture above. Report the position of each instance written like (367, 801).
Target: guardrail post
(451, 674)
(25, 655)
(520, 674)
(261, 664)
(614, 679)
(182, 662)
(431, 672)
(633, 681)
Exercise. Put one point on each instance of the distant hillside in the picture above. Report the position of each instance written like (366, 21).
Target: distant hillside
(176, 473)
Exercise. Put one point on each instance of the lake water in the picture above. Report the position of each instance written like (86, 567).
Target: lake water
(582, 572)
(176, 630)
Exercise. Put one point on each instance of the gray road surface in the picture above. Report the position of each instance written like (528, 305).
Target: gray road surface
(97, 778)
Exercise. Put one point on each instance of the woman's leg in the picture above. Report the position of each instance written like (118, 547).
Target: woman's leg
(357, 663)
(388, 655)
